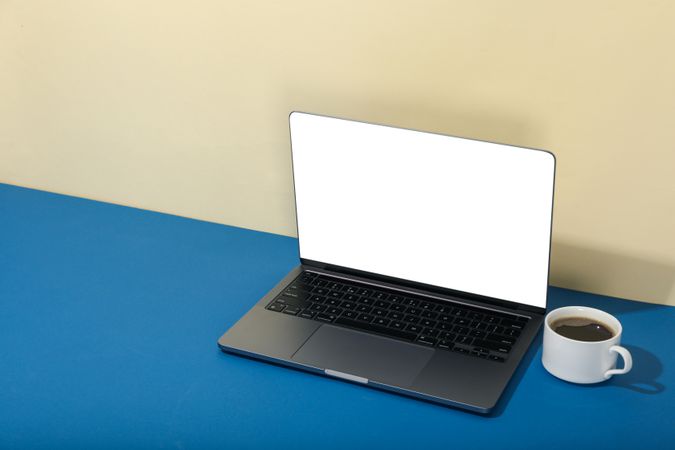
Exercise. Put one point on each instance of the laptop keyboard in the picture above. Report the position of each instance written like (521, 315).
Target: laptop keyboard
(433, 323)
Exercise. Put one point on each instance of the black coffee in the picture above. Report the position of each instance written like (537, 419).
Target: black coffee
(582, 329)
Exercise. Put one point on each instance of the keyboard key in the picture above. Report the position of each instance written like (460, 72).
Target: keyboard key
(381, 321)
(365, 317)
(317, 298)
(325, 317)
(442, 309)
(444, 326)
(494, 329)
(334, 310)
(413, 328)
(364, 308)
(332, 302)
(350, 297)
(379, 312)
(307, 276)
(379, 295)
(395, 298)
(414, 311)
(381, 304)
(512, 332)
(503, 348)
(395, 315)
(474, 316)
(396, 307)
(512, 324)
(350, 314)
(366, 301)
(401, 334)
(430, 332)
(478, 333)
(426, 305)
(501, 339)
(333, 286)
(466, 340)
(348, 305)
(461, 350)
(427, 323)
(444, 335)
(300, 286)
(429, 314)
(292, 310)
(335, 294)
(410, 301)
(320, 291)
(397, 324)
(276, 307)
(446, 345)
(457, 312)
(365, 292)
(492, 320)
(350, 290)
(481, 350)
(291, 301)
(462, 321)
(411, 319)
(461, 330)
(307, 314)
(294, 294)
(427, 340)
(318, 307)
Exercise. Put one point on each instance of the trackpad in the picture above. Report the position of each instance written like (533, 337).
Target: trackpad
(376, 358)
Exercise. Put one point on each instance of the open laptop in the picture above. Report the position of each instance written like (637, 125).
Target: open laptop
(423, 265)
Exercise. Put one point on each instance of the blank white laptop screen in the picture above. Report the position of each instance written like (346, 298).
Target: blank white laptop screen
(445, 211)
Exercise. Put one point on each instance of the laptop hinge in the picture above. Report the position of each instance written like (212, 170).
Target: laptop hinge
(310, 263)
(431, 289)
(532, 309)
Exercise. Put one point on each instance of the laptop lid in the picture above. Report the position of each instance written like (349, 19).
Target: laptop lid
(444, 211)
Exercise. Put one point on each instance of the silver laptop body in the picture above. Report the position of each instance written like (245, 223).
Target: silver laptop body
(423, 267)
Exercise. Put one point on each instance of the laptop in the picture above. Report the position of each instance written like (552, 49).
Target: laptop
(423, 266)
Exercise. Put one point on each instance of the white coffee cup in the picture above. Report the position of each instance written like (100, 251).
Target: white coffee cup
(583, 361)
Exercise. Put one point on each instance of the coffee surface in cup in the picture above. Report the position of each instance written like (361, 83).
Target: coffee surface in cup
(582, 329)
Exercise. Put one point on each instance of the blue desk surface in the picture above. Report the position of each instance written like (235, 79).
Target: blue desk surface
(109, 318)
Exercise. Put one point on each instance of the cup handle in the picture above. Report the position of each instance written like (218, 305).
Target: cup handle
(627, 361)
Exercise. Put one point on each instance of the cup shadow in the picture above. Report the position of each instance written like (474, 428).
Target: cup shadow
(643, 378)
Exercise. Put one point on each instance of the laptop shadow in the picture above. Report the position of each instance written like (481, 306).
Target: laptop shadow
(525, 363)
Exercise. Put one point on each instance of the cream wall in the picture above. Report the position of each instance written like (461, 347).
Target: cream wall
(181, 106)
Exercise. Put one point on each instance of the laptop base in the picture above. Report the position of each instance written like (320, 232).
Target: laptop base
(443, 377)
